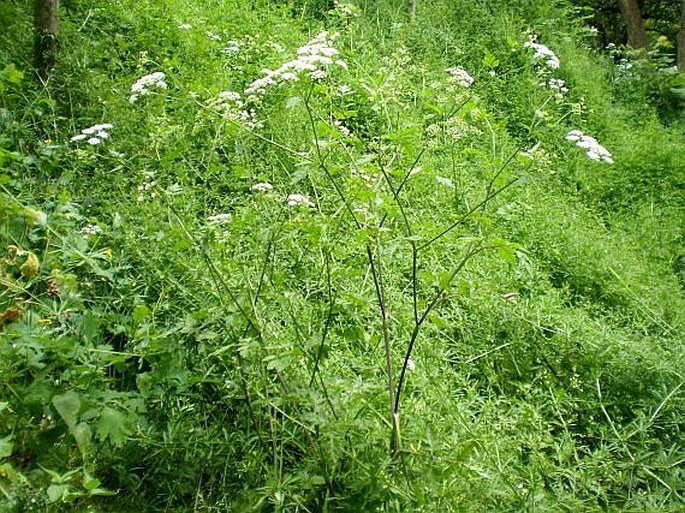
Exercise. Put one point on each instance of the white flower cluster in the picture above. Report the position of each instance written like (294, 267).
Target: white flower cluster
(557, 85)
(460, 76)
(185, 26)
(262, 187)
(445, 181)
(294, 200)
(230, 103)
(145, 188)
(299, 200)
(345, 9)
(145, 84)
(94, 135)
(313, 58)
(91, 229)
(219, 219)
(593, 149)
(543, 53)
(231, 48)
(346, 132)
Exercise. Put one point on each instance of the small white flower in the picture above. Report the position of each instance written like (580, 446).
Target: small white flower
(262, 187)
(93, 141)
(79, 137)
(299, 200)
(411, 365)
(185, 26)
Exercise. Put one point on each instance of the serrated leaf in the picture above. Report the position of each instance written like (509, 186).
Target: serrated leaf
(113, 426)
(68, 406)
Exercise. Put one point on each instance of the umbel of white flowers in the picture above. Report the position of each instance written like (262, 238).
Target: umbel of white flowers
(94, 135)
(144, 85)
(542, 53)
(592, 148)
(312, 58)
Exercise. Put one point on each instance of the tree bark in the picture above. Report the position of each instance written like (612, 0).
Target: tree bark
(637, 34)
(46, 24)
(681, 40)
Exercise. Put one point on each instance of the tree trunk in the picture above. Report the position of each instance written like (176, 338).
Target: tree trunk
(411, 6)
(637, 34)
(46, 23)
(681, 40)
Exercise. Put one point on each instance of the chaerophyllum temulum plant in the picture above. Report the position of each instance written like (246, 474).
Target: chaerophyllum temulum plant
(365, 182)
(367, 216)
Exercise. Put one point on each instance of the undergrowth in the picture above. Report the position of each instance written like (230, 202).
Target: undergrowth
(394, 273)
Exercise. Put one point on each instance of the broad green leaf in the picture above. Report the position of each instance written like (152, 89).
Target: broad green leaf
(112, 425)
(57, 492)
(89, 482)
(68, 406)
(82, 434)
(6, 446)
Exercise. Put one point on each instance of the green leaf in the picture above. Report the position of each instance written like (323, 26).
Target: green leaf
(6, 446)
(58, 492)
(112, 425)
(489, 60)
(68, 406)
(82, 434)
(90, 483)
(89, 326)
(11, 74)
(140, 313)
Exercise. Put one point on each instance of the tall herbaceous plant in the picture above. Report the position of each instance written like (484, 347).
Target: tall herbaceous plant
(358, 236)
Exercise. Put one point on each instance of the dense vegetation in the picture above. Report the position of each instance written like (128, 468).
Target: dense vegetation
(394, 273)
